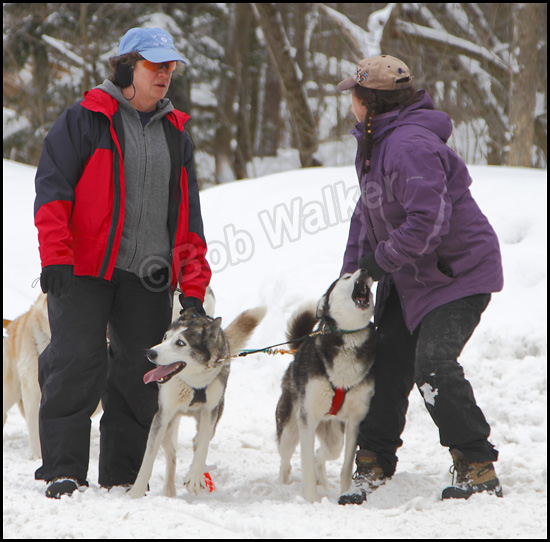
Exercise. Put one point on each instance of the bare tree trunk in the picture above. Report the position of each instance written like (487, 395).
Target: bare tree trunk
(227, 93)
(267, 133)
(521, 102)
(246, 29)
(290, 76)
(85, 45)
(231, 157)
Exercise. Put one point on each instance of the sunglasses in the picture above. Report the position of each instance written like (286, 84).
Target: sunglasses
(157, 66)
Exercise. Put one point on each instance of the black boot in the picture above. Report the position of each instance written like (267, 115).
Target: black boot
(63, 486)
(368, 476)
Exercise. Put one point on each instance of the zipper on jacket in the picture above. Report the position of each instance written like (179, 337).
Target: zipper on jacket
(118, 129)
(140, 214)
(174, 140)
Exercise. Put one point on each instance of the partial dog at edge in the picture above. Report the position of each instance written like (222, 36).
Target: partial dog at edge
(327, 389)
(192, 372)
(27, 336)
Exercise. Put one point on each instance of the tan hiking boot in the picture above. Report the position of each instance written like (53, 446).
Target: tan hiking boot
(368, 476)
(471, 477)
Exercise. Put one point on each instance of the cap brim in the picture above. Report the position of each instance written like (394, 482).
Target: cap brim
(161, 55)
(346, 84)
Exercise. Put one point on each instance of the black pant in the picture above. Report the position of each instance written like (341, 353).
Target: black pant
(428, 358)
(77, 369)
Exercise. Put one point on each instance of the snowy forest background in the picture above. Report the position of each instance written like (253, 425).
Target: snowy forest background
(260, 82)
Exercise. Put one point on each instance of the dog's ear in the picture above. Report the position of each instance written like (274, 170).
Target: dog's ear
(321, 307)
(214, 327)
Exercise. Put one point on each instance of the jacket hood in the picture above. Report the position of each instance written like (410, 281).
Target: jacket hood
(164, 106)
(420, 113)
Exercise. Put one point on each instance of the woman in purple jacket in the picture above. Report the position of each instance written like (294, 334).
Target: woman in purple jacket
(418, 230)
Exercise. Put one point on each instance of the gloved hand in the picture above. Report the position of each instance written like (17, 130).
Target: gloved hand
(56, 280)
(192, 302)
(369, 263)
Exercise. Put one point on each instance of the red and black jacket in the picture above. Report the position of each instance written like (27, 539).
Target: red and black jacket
(79, 206)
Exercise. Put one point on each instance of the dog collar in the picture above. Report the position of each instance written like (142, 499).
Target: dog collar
(333, 329)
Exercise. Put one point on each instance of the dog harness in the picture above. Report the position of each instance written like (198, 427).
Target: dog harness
(337, 400)
(199, 396)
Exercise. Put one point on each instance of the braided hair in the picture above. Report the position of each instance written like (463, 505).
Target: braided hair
(378, 102)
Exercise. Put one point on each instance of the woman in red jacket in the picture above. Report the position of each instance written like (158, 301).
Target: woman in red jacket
(119, 226)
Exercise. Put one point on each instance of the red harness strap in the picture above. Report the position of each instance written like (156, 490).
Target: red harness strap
(337, 400)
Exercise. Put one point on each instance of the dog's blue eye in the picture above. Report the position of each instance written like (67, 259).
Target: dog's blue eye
(179, 342)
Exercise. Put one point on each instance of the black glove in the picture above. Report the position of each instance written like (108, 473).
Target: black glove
(369, 263)
(192, 303)
(56, 280)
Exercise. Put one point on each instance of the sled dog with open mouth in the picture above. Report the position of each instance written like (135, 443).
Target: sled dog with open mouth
(327, 389)
(192, 372)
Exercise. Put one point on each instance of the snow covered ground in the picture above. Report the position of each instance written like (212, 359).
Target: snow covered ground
(278, 241)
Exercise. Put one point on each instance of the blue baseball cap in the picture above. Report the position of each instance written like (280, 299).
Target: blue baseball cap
(153, 44)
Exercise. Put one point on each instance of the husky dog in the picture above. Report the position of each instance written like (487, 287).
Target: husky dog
(28, 335)
(192, 370)
(326, 390)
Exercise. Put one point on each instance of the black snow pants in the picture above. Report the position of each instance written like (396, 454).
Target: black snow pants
(78, 369)
(427, 357)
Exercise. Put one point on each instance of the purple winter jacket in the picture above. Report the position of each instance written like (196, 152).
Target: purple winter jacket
(418, 217)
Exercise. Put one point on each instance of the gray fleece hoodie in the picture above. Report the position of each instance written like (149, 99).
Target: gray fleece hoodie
(145, 243)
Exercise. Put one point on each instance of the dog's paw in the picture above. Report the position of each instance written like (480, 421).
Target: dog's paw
(135, 493)
(169, 490)
(284, 474)
(311, 496)
(194, 483)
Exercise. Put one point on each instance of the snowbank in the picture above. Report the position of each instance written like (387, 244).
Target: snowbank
(278, 240)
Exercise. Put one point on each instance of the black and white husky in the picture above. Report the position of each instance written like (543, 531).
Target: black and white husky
(192, 370)
(326, 390)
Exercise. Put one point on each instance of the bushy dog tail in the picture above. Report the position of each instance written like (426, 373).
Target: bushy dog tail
(301, 323)
(238, 331)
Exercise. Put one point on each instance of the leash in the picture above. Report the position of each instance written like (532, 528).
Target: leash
(272, 350)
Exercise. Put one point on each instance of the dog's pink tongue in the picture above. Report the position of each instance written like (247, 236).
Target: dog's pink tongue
(159, 373)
